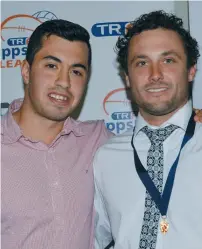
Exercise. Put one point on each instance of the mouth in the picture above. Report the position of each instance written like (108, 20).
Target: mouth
(157, 90)
(59, 99)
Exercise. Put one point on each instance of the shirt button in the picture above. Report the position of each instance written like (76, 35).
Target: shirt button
(55, 184)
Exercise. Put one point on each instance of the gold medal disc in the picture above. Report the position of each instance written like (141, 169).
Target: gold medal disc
(164, 225)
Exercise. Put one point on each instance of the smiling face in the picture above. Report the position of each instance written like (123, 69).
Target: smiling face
(57, 78)
(157, 72)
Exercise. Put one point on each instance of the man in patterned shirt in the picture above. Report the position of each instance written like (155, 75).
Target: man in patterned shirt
(47, 178)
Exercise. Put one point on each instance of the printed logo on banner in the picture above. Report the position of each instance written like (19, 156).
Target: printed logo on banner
(4, 108)
(109, 29)
(117, 108)
(15, 33)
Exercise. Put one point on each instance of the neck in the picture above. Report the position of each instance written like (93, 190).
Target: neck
(36, 127)
(158, 120)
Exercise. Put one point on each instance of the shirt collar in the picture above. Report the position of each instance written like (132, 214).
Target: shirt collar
(74, 126)
(180, 118)
(11, 131)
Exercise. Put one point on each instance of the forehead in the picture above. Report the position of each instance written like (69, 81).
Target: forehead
(64, 49)
(156, 40)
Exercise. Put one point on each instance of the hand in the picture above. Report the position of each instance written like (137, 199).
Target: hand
(198, 116)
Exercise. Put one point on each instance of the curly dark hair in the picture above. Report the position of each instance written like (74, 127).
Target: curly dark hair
(154, 20)
(62, 28)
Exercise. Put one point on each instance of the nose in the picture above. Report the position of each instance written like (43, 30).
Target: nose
(156, 73)
(63, 79)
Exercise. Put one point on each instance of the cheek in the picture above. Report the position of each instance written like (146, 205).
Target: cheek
(138, 93)
(176, 75)
(138, 77)
(38, 86)
(36, 92)
(138, 82)
(42, 76)
(179, 79)
(77, 90)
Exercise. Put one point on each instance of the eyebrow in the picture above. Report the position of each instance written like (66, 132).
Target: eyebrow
(138, 57)
(51, 57)
(80, 65)
(171, 52)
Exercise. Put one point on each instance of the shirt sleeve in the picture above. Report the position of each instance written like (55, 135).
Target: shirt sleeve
(103, 235)
(106, 134)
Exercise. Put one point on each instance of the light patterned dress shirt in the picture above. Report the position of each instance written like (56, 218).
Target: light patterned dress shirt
(47, 190)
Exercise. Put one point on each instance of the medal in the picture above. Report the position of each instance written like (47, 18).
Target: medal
(164, 225)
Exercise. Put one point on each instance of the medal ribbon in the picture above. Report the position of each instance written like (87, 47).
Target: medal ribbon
(162, 201)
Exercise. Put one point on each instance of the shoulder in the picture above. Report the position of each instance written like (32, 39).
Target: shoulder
(90, 127)
(94, 130)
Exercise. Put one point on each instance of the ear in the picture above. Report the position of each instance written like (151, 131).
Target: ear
(127, 80)
(25, 70)
(192, 73)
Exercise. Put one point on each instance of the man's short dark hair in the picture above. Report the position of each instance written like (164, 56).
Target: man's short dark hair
(155, 20)
(62, 28)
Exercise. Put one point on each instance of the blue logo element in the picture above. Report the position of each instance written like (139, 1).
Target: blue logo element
(122, 115)
(19, 41)
(121, 121)
(13, 52)
(120, 126)
(109, 29)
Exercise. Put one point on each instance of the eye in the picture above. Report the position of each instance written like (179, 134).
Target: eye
(52, 66)
(169, 60)
(77, 72)
(141, 63)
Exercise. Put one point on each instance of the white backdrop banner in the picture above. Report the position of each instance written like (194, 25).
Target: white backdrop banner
(195, 20)
(106, 98)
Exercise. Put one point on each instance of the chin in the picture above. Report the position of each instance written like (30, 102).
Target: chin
(159, 109)
(57, 116)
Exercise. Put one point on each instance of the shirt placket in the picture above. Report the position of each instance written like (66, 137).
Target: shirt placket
(57, 198)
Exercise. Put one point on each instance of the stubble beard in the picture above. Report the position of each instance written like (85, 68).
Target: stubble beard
(166, 107)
